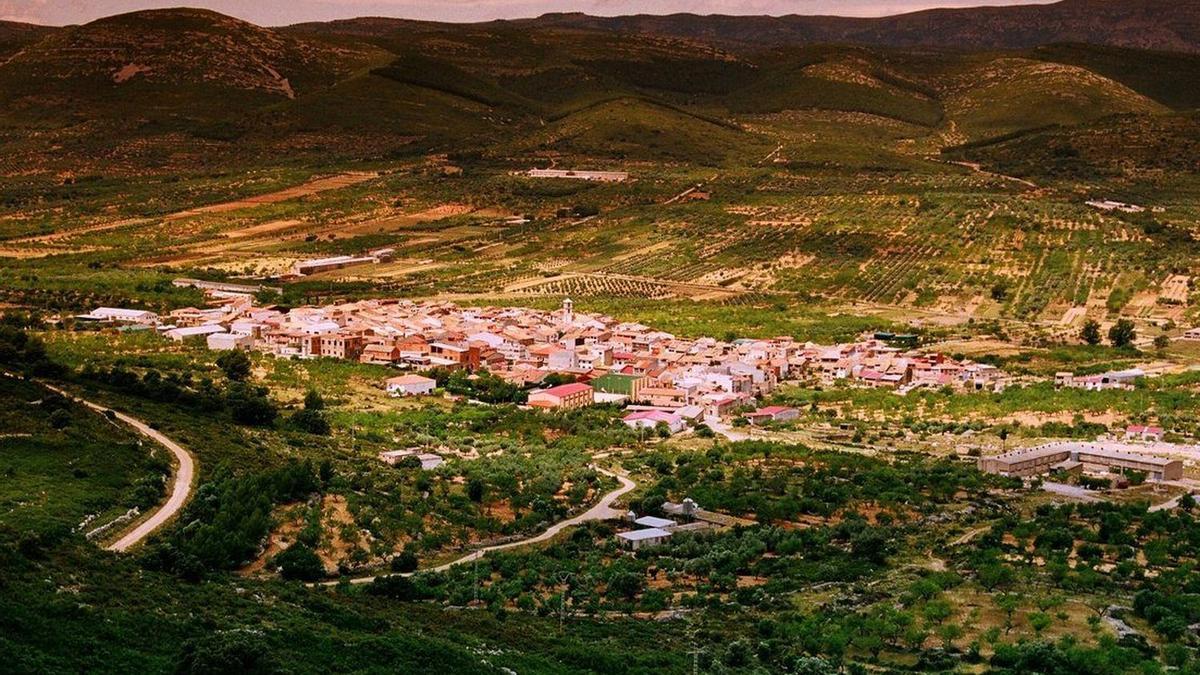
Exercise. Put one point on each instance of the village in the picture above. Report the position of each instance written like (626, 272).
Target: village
(667, 382)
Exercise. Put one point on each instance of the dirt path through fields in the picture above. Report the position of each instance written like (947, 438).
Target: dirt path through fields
(303, 190)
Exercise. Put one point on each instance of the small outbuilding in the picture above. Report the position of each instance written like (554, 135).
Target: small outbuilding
(410, 385)
(638, 539)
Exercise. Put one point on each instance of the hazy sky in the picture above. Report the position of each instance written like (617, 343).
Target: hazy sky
(278, 12)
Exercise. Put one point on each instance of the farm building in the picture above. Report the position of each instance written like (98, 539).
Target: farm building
(410, 385)
(599, 176)
(1138, 432)
(655, 521)
(120, 315)
(1110, 205)
(564, 396)
(1116, 379)
(644, 538)
(306, 267)
(1102, 456)
(773, 413)
(181, 334)
(429, 461)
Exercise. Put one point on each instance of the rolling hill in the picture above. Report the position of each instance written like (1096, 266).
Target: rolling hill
(170, 89)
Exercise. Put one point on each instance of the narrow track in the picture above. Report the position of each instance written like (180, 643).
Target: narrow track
(603, 510)
(181, 480)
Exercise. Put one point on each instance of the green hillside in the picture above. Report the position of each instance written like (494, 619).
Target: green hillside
(188, 89)
(1002, 95)
(638, 129)
(1167, 77)
(1130, 147)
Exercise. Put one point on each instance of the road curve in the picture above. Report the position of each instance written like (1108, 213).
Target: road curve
(181, 483)
(603, 510)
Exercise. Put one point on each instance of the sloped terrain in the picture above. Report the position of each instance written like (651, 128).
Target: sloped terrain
(1004, 95)
(1122, 146)
(185, 89)
(636, 129)
(194, 56)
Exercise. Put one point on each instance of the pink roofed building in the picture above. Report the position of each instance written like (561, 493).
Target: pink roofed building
(650, 419)
(564, 396)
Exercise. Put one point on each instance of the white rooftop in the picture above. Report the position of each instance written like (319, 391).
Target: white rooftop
(655, 522)
(642, 535)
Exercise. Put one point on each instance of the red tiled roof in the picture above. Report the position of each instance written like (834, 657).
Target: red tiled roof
(566, 389)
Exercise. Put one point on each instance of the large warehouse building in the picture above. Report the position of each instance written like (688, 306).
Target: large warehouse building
(1047, 458)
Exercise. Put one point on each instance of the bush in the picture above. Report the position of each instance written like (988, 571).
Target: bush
(310, 421)
(250, 405)
(405, 561)
(1122, 334)
(300, 563)
(60, 419)
(235, 364)
(224, 654)
(394, 587)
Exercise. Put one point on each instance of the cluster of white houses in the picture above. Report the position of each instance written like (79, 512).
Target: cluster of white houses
(609, 360)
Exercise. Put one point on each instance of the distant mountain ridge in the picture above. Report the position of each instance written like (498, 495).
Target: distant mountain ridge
(1165, 25)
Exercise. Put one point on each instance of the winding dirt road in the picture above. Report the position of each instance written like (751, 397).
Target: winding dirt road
(181, 481)
(603, 510)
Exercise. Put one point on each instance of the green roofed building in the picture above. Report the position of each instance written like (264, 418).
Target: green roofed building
(616, 383)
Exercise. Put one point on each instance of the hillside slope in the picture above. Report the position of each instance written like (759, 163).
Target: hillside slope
(182, 89)
(185, 62)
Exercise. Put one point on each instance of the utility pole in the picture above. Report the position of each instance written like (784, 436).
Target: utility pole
(563, 578)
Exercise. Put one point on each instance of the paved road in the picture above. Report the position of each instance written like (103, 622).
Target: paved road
(181, 483)
(603, 510)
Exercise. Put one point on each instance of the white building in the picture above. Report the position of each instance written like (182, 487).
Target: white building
(429, 461)
(410, 385)
(645, 538)
(120, 315)
(181, 334)
(226, 341)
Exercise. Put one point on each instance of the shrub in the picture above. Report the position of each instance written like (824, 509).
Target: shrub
(300, 563)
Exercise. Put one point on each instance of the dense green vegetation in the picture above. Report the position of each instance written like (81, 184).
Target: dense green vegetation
(817, 192)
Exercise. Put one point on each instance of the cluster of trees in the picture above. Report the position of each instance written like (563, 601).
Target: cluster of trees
(482, 386)
(25, 353)
(776, 482)
(246, 403)
(225, 523)
(1120, 335)
(311, 418)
